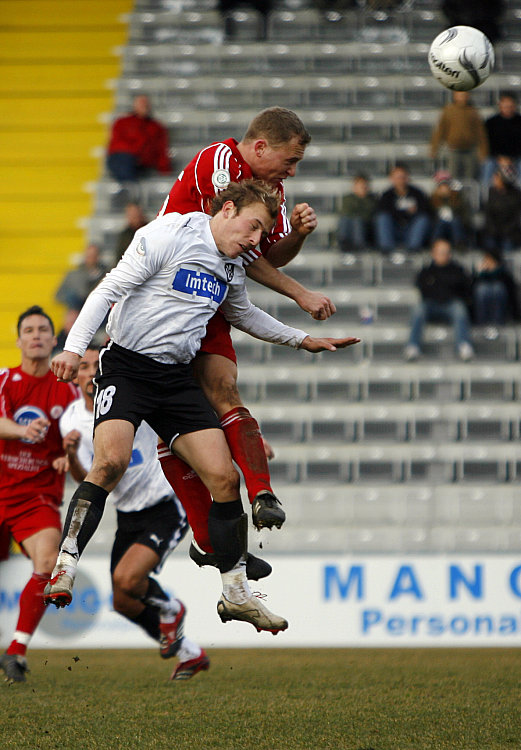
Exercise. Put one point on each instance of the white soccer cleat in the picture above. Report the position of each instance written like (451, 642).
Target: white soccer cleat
(59, 589)
(252, 610)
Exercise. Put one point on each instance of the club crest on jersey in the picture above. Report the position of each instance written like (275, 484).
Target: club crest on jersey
(193, 282)
(230, 269)
(221, 179)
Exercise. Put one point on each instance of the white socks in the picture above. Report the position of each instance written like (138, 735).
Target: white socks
(235, 584)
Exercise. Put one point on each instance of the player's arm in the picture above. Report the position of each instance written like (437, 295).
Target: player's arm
(316, 304)
(71, 443)
(139, 262)
(303, 221)
(33, 432)
(245, 316)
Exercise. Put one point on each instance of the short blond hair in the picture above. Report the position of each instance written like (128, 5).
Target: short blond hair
(246, 193)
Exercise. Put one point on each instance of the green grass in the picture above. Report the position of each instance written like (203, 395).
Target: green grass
(263, 699)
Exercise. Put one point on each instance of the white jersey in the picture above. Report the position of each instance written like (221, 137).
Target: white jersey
(143, 484)
(168, 284)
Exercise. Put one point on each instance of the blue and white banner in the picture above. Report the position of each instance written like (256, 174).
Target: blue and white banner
(387, 600)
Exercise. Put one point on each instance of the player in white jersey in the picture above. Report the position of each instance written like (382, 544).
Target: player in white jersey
(170, 281)
(150, 524)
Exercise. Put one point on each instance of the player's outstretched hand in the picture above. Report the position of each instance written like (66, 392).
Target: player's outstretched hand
(303, 219)
(311, 344)
(316, 304)
(65, 366)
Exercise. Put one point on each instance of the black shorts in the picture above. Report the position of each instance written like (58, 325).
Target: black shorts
(134, 387)
(160, 527)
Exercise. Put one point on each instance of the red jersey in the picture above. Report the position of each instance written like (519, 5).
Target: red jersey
(143, 137)
(210, 171)
(25, 467)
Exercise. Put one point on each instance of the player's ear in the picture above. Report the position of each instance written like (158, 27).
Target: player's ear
(228, 209)
(18, 343)
(260, 146)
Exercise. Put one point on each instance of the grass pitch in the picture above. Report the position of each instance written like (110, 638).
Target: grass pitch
(264, 699)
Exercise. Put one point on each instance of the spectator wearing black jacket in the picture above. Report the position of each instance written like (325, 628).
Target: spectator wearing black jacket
(445, 289)
(504, 136)
(502, 229)
(402, 214)
(495, 294)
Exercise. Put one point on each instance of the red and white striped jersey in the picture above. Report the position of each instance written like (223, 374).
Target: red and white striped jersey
(210, 171)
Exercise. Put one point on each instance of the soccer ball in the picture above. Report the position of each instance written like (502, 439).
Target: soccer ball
(461, 58)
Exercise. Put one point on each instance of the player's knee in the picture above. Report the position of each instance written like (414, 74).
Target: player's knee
(225, 483)
(124, 584)
(110, 467)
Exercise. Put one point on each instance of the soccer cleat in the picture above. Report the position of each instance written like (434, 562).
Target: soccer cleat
(187, 669)
(252, 610)
(256, 568)
(14, 666)
(171, 634)
(59, 590)
(267, 511)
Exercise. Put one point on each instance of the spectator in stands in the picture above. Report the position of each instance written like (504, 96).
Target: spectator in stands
(445, 289)
(138, 144)
(79, 283)
(504, 137)
(451, 213)
(502, 210)
(495, 294)
(68, 321)
(461, 131)
(135, 220)
(402, 214)
(227, 7)
(355, 225)
(484, 15)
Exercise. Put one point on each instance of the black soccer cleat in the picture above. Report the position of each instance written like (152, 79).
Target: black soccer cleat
(14, 666)
(267, 511)
(256, 568)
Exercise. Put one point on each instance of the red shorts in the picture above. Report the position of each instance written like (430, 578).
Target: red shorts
(25, 518)
(218, 339)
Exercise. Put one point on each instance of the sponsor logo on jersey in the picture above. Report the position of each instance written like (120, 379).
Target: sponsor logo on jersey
(196, 283)
(221, 179)
(26, 414)
(230, 269)
(141, 248)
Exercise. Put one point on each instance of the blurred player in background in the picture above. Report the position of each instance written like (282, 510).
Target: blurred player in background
(32, 401)
(270, 150)
(150, 524)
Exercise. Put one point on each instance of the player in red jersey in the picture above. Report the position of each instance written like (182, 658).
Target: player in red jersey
(31, 404)
(270, 150)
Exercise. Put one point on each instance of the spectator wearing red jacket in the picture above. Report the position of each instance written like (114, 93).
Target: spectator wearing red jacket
(138, 144)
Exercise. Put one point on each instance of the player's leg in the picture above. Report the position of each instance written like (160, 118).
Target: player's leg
(38, 533)
(217, 376)
(143, 541)
(113, 441)
(197, 501)
(207, 452)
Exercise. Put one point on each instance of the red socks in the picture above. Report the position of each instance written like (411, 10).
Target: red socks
(192, 493)
(244, 438)
(31, 612)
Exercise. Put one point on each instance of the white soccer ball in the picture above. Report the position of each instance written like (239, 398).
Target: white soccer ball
(461, 58)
